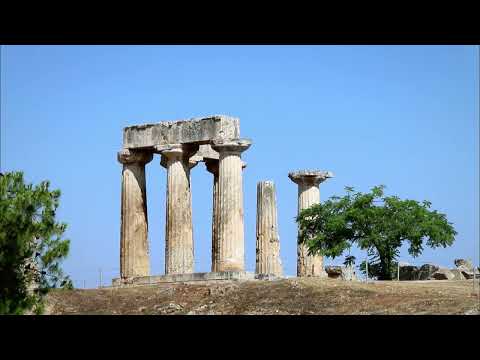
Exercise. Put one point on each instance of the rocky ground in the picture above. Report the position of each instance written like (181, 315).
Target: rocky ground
(287, 296)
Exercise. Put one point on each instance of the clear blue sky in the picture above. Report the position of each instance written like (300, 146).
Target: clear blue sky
(403, 116)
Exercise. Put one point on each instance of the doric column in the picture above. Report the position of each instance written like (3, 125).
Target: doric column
(230, 251)
(309, 194)
(212, 166)
(134, 249)
(179, 254)
(268, 241)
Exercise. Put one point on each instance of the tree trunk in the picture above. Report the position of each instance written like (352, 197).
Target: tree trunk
(385, 267)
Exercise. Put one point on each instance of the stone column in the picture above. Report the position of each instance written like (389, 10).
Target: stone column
(309, 194)
(134, 249)
(212, 166)
(230, 248)
(268, 241)
(179, 254)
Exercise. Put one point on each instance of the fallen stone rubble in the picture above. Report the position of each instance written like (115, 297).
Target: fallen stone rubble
(341, 272)
(464, 270)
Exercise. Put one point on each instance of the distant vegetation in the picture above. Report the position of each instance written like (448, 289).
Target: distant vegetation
(31, 244)
(376, 223)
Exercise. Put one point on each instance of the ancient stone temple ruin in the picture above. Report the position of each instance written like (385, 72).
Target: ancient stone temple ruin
(182, 145)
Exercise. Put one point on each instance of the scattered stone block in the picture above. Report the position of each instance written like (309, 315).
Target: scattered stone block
(457, 274)
(443, 274)
(468, 274)
(463, 262)
(426, 271)
(333, 271)
(408, 272)
(466, 268)
(341, 272)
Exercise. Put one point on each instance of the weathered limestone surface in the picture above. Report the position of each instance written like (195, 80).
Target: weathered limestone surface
(179, 257)
(229, 202)
(268, 240)
(196, 130)
(308, 194)
(134, 250)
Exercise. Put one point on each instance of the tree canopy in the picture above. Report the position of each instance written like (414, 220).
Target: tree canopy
(31, 244)
(376, 223)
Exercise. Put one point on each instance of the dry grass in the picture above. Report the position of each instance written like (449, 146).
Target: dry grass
(288, 296)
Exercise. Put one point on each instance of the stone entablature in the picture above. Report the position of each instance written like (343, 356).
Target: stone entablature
(196, 130)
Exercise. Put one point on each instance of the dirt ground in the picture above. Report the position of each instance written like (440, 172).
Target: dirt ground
(287, 296)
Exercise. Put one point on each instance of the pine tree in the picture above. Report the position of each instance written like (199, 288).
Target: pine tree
(31, 244)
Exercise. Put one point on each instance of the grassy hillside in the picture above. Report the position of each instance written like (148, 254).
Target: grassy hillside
(287, 296)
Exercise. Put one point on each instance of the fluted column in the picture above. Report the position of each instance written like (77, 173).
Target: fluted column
(230, 248)
(268, 241)
(179, 250)
(212, 166)
(309, 194)
(134, 249)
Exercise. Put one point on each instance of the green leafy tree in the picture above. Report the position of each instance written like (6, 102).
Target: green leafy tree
(376, 223)
(31, 244)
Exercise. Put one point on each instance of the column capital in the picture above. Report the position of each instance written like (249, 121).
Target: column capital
(235, 146)
(177, 152)
(172, 152)
(309, 177)
(126, 156)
